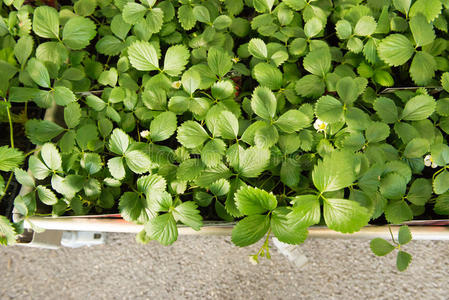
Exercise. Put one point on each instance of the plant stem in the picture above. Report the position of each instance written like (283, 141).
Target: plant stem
(391, 233)
(11, 130)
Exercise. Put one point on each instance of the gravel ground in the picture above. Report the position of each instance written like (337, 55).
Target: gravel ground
(198, 267)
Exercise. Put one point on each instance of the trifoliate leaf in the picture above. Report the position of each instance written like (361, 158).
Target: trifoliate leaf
(418, 108)
(395, 49)
(133, 12)
(188, 214)
(10, 158)
(283, 230)
(268, 75)
(51, 157)
(191, 134)
(219, 61)
(398, 211)
(429, 8)
(310, 86)
(441, 183)
(258, 48)
(403, 260)
(46, 22)
(318, 61)
(109, 45)
(163, 126)
(343, 29)
(163, 229)
(38, 168)
(377, 132)
(227, 125)
(77, 33)
(143, 56)
(249, 230)
(253, 201)
(442, 204)
(119, 141)
(329, 109)
(186, 17)
(292, 120)
(253, 161)
(115, 167)
(422, 31)
(191, 81)
(23, 177)
(313, 27)
(365, 26)
(306, 210)
(417, 147)
(263, 103)
(175, 59)
(64, 96)
(38, 72)
(423, 68)
(333, 172)
(132, 207)
(404, 235)
(345, 216)
(381, 247)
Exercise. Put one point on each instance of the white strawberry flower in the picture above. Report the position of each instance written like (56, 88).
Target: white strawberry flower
(145, 134)
(428, 161)
(176, 84)
(320, 125)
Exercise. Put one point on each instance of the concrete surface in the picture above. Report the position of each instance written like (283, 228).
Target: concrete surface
(212, 268)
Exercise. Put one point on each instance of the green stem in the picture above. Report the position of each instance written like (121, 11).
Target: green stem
(391, 233)
(11, 134)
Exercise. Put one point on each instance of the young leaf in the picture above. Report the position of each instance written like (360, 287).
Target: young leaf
(46, 22)
(143, 56)
(249, 230)
(175, 59)
(395, 49)
(253, 201)
(381, 247)
(403, 260)
(404, 235)
(365, 26)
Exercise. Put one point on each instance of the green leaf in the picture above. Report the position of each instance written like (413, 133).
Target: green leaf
(253, 161)
(138, 161)
(306, 210)
(345, 216)
(133, 12)
(41, 131)
(318, 61)
(377, 132)
(418, 108)
(64, 96)
(219, 61)
(253, 201)
(249, 230)
(116, 167)
(119, 141)
(397, 212)
(395, 49)
(386, 109)
(201, 14)
(78, 31)
(268, 75)
(46, 22)
(7, 232)
(403, 260)
(429, 8)
(440, 154)
(393, 186)
(91, 162)
(186, 17)
(119, 27)
(132, 208)
(381, 247)
(442, 204)
(333, 172)
(191, 134)
(163, 229)
(445, 81)
(10, 158)
(355, 45)
(313, 27)
(347, 89)
(263, 103)
(423, 68)
(51, 157)
(176, 59)
(417, 147)
(220, 187)
(283, 230)
(154, 20)
(420, 191)
(365, 26)
(109, 45)
(343, 29)
(402, 5)
(223, 89)
(404, 236)
(38, 168)
(72, 114)
(188, 214)
(143, 56)
(38, 72)
(266, 136)
(163, 126)
(212, 152)
(85, 7)
(310, 86)
(441, 183)
(23, 177)
(422, 31)
(191, 81)
(46, 195)
(292, 120)
(258, 48)
(227, 125)
(23, 48)
(329, 109)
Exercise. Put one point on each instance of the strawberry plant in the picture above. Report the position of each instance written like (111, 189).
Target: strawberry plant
(277, 115)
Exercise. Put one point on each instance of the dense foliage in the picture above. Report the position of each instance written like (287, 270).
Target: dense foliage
(276, 114)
